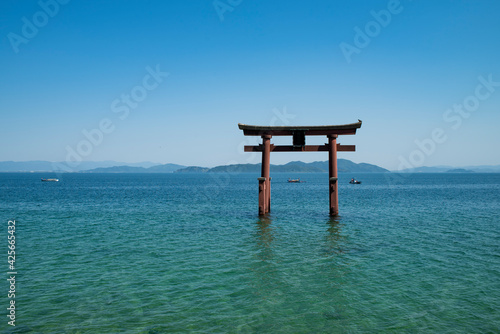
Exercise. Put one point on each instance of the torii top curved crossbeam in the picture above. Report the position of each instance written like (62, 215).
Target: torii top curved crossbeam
(288, 130)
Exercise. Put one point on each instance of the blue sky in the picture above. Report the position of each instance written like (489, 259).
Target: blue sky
(168, 81)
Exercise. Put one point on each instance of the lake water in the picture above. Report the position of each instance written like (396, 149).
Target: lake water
(166, 253)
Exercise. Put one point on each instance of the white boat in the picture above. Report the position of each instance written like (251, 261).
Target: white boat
(50, 180)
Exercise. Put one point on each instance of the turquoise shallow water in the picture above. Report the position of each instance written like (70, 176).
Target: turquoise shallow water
(166, 253)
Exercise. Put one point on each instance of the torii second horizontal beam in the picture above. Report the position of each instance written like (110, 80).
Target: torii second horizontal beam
(306, 148)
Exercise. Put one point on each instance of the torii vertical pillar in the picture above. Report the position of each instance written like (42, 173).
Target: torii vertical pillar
(265, 171)
(332, 171)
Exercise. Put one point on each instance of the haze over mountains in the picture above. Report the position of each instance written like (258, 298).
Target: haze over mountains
(344, 165)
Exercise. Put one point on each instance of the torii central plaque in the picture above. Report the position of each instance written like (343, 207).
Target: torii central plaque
(299, 134)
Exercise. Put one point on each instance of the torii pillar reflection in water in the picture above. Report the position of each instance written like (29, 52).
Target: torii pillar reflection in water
(299, 134)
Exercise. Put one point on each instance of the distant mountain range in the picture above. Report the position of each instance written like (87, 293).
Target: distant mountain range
(451, 169)
(292, 167)
(47, 166)
(344, 165)
(166, 168)
(149, 167)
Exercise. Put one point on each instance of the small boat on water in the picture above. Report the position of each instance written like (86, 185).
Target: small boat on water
(354, 181)
(293, 180)
(50, 180)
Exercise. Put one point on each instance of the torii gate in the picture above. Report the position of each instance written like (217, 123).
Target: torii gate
(299, 134)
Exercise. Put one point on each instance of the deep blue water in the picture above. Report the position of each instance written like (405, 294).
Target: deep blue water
(166, 253)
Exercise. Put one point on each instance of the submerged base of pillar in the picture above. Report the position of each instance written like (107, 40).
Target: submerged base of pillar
(262, 195)
(334, 201)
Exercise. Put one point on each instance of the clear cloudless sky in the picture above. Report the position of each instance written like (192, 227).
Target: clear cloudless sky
(64, 64)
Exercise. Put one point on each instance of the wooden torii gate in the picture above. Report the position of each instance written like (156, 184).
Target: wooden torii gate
(299, 134)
